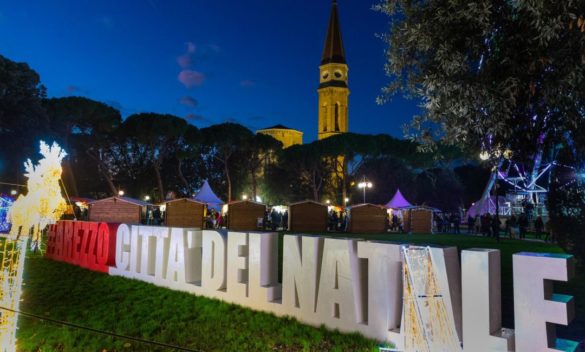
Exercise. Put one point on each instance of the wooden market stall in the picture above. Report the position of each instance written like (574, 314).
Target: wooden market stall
(118, 210)
(307, 216)
(245, 215)
(184, 212)
(405, 220)
(367, 218)
(421, 220)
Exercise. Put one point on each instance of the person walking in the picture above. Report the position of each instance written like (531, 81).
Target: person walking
(456, 223)
(470, 224)
(285, 220)
(522, 225)
(538, 226)
(496, 227)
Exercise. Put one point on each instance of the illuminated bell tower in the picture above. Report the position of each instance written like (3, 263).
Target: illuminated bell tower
(333, 90)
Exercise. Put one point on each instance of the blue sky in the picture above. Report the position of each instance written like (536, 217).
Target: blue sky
(254, 62)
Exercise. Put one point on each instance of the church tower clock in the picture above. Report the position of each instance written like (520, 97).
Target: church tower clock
(333, 89)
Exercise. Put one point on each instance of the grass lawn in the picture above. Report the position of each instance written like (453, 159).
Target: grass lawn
(132, 308)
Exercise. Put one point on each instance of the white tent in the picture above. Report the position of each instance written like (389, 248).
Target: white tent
(207, 196)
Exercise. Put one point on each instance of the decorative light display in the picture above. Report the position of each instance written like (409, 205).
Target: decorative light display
(429, 327)
(29, 215)
(5, 204)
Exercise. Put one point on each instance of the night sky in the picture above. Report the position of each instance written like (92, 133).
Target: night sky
(254, 62)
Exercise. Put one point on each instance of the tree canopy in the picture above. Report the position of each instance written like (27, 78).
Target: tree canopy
(490, 74)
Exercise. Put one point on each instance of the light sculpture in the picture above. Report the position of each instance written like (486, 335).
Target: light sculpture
(29, 215)
(5, 204)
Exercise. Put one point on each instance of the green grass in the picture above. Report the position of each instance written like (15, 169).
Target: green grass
(133, 308)
(129, 307)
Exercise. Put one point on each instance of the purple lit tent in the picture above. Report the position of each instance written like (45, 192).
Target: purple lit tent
(207, 196)
(398, 201)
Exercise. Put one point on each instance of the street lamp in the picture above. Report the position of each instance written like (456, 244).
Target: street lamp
(365, 185)
(147, 198)
(13, 192)
(121, 193)
(245, 197)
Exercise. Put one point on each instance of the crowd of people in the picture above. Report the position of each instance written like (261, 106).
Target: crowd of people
(275, 220)
(338, 221)
(514, 226)
(486, 224)
(214, 219)
(448, 223)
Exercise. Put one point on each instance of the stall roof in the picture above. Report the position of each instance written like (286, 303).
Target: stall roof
(306, 201)
(187, 199)
(246, 201)
(124, 199)
(398, 201)
(426, 207)
(207, 196)
(364, 205)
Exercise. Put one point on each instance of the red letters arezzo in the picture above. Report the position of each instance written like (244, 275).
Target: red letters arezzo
(90, 245)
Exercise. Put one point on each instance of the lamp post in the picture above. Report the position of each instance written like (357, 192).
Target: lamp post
(364, 185)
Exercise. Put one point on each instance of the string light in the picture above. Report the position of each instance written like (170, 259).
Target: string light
(29, 215)
(5, 204)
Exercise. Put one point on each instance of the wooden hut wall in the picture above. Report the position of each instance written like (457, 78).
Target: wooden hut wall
(184, 213)
(116, 211)
(421, 221)
(368, 219)
(243, 216)
(406, 220)
(308, 217)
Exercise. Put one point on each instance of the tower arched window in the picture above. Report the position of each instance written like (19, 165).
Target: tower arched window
(325, 117)
(336, 117)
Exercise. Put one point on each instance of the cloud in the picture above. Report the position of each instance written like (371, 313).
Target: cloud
(247, 83)
(188, 101)
(198, 118)
(186, 60)
(191, 78)
(194, 52)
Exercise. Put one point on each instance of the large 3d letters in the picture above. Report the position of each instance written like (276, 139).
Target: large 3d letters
(536, 307)
(482, 303)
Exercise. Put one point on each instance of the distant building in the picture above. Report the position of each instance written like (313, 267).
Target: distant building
(333, 91)
(287, 136)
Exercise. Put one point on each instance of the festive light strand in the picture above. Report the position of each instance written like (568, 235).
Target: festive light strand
(29, 215)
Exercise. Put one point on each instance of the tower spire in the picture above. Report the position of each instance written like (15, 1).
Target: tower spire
(333, 51)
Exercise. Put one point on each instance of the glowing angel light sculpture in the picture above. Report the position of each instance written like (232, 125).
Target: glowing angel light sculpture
(43, 204)
(30, 214)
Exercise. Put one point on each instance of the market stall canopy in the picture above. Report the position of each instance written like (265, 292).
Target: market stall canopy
(398, 201)
(485, 206)
(207, 196)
